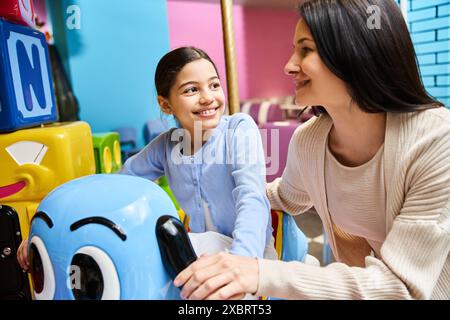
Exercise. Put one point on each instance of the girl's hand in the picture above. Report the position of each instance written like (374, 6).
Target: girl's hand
(22, 255)
(219, 277)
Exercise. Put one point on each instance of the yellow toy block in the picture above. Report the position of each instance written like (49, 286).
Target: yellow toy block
(35, 161)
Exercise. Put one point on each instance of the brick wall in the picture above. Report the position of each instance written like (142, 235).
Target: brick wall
(429, 24)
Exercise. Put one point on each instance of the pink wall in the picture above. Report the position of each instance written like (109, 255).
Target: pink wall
(267, 40)
(199, 25)
(263, 40)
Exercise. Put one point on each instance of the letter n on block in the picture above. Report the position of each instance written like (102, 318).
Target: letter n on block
(26, 88)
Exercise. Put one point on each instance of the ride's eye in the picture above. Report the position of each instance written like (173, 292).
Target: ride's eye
(41, 270)
(25, 152)
(95, 276)
(37, 269)
(91, 281)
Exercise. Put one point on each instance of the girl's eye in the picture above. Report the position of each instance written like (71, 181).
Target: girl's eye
(190, 90)
(215, 85)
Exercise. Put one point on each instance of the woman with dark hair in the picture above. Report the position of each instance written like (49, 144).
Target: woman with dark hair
(375, 164)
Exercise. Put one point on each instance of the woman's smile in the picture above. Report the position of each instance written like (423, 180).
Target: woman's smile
(301, 84)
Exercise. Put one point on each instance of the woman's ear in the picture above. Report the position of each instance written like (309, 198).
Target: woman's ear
(165, 105)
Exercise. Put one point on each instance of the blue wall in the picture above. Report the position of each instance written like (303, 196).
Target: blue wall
(112, 58)
(429, 24)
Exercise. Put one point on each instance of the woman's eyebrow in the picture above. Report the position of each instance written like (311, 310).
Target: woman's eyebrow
(299, 41)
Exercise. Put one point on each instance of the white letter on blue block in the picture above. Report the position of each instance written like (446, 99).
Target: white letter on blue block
(29, 71)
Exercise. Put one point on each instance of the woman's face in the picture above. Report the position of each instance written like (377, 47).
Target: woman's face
(197, 96)
(315, 84)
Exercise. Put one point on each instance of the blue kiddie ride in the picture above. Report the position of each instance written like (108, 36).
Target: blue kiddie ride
(94, 238)
(119, 237)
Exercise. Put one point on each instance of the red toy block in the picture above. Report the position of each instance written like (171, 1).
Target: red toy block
(18, 11)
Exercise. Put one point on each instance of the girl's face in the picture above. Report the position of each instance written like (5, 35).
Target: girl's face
(315, 84)
(196, 96)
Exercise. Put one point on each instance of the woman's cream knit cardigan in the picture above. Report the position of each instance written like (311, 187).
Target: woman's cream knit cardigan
(414, 261)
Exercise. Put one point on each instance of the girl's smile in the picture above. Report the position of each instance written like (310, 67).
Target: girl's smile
(207, 113)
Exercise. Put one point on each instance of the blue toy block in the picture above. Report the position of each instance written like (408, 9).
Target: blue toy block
(26, 87)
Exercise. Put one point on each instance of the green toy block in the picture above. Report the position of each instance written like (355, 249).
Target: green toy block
(107, 152)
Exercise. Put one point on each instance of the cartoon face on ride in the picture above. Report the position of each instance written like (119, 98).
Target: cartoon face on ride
(94, 238)
(32, 164)
(23, 169)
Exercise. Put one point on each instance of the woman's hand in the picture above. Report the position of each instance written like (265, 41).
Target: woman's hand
(22, 255)
(219, 277)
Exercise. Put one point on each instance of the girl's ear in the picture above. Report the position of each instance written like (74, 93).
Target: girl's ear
(165, 105)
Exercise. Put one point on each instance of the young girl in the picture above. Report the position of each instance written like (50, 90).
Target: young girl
(219, 182)
(214, 164)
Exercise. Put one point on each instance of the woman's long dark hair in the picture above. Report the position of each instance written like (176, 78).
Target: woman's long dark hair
(378, 63)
